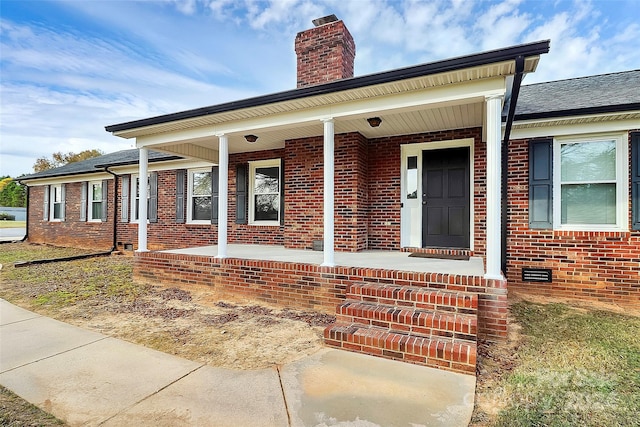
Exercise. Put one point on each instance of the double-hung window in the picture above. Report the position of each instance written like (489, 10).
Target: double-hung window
(264, 192)
(95, 201)
(590, 178)
(199, 196)
(135, 197)
(57, 203)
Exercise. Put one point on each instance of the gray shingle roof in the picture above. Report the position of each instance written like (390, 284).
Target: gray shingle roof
(96, 164)
(601, 93)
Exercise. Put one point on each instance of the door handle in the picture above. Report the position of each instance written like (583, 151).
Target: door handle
(424, 202)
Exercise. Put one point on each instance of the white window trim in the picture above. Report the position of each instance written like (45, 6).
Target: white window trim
(622, 182)
(132, 212)
(90, 201)
(190, 173)
(252, 177)
(52, 202)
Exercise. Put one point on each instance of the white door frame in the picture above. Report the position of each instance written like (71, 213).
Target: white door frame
(411, 210)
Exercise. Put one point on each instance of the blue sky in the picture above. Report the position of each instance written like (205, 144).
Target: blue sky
(69, 68)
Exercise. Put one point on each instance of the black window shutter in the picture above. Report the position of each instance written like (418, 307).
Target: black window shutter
(181, 185)
(105, 198)
(45, 203)
(541, 184)
(124, 202)
(63, 201)
(215, 178)
(153, 197)
(242, 189)
(83, 200)
(282, 192)
(635, 180)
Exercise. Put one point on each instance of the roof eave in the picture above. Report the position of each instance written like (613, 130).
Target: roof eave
(604, 109)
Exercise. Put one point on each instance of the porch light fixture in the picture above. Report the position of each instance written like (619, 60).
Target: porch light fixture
(251, 139)
(374, 122)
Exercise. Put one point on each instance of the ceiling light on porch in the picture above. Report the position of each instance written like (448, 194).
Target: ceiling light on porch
(374, 122)
(251, 139)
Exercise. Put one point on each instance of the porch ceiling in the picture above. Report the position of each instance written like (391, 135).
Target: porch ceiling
(393, 123)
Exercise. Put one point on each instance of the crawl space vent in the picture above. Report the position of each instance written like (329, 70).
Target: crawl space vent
(536, 275)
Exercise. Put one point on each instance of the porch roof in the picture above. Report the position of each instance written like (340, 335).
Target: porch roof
(386, 260)
(435, 96)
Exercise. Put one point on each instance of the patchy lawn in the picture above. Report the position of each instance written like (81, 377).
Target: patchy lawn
(562, 366)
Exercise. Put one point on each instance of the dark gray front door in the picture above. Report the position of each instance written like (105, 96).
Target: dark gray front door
(445, 198)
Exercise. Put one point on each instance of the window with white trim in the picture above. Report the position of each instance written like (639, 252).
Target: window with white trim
(94, 207)
(591, 183)
(199, 196)
(264, 192)
(135, 197)
(56, 209)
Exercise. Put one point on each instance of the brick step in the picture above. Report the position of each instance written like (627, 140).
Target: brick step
(414, 296)
(438, 352)
(409, 320)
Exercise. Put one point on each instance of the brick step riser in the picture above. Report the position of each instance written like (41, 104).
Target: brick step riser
(415, 297)
(425, 332)
(408, 320)
(445, 354)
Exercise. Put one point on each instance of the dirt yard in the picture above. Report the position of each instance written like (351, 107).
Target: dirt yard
(98, 294)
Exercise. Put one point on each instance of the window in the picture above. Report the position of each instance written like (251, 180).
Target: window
(199, 204)
(412, 177)
(57, 203)
(152, 197)
(95, 201)
(264, 192)
(590, 190)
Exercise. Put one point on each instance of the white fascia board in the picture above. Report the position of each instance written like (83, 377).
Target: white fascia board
(444, 95)
(555, 127)
(162, 166)
(67, 179)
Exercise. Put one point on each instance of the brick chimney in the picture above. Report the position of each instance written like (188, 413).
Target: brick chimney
(325, 53)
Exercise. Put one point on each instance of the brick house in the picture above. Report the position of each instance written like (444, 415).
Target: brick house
(377, 197)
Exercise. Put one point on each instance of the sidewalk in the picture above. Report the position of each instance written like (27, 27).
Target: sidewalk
(89, 379)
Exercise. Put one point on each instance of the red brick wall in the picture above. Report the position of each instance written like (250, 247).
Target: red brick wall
(384, 186)
(304, 174)
(72, 232)
(324, 54)
(603, 266)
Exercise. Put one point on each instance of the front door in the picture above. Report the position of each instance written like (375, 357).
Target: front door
(445, 198)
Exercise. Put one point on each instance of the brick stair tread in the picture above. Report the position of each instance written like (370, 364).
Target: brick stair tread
(420, 297)
(411, 320)
(454, 354)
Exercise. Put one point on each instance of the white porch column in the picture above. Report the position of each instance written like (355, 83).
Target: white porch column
(142, 199)
(328, 193)
(494, 157)
(223, 194)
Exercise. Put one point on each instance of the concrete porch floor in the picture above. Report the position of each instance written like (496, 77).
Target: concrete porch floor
(388, 260)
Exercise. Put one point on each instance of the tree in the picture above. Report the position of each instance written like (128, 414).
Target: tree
(59, 159)
(12, 194)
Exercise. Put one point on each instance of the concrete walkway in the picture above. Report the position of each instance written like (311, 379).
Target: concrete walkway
(89, 379)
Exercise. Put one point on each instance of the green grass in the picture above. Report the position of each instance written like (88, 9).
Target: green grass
(575, 368)
(13, 224)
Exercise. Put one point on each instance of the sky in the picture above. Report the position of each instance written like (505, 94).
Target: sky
(70, 68)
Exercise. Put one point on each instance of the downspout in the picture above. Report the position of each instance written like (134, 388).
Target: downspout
(515, 91)
(115, 208)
